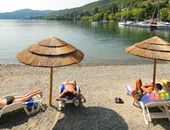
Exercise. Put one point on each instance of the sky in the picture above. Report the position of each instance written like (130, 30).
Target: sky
(12, 5)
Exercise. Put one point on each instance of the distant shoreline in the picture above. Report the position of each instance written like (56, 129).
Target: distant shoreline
(91, 64)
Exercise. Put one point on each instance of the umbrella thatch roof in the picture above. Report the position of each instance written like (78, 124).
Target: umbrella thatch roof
(51, 52)
(153, 48)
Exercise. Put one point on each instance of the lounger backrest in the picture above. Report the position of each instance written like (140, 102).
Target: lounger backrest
(77, 89)
(19, 105)
(11, 107)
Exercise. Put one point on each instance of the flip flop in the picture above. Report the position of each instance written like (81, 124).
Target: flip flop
(119, 100)
(116, 100)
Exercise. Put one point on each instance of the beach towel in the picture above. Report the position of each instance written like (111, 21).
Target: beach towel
(129, 89)
(31, 102)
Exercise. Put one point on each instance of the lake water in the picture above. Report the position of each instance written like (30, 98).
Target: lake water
(101, 43)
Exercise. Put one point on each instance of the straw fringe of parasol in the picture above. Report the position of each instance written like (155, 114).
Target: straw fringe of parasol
(48, 50)
(34, 59)
(153, 48)
(52, 52)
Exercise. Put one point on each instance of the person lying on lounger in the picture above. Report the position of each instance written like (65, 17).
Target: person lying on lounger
(14, 99)
(141, 90)
(68, 89)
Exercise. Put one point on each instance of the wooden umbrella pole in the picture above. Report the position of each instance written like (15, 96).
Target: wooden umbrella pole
(154, 72)
(51, 85)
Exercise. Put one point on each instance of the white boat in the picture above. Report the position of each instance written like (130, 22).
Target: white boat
(94, 23)
(156, 23)
(126, 23)
(104, 21)
(122, 23)
(143, 24)
(163, 25)
(153, 24)
(129, 22)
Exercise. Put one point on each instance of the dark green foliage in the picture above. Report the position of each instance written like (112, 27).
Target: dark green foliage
(165, 14)
(115, 10)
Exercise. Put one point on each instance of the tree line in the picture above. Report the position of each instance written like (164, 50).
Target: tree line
(111, 10)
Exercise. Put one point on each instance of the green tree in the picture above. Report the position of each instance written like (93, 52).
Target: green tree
(86, 18)
(149, 11)
(168, 19)
(115, 9)
(164, 14)
(96, 10)
(127, 14)
(110, 16)
(138, 13)
(118, 16)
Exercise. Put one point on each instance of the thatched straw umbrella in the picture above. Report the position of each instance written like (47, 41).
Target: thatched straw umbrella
(51, 52)
(153, 48)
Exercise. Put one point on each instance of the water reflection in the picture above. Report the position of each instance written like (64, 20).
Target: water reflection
(102, 43)
(146, 32)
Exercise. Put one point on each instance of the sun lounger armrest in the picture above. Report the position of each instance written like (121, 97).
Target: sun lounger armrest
(27, 102)
(32, 101)
(156, 103)
(64, 99)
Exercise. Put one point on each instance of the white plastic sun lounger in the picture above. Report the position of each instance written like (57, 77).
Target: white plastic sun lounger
(75, 101)
(164, 107)
(148, 115)
(29, 110)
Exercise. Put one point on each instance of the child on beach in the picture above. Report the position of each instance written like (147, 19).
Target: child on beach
(12, 99)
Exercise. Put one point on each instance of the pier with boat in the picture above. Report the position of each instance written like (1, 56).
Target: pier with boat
(153, 23)
(146, 24)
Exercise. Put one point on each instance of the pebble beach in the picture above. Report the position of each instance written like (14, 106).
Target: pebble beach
(99, 85)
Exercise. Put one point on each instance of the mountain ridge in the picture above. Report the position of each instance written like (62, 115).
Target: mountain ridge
(101, 10)
(25, 14)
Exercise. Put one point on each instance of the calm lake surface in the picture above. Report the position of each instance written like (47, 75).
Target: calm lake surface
(102, 43)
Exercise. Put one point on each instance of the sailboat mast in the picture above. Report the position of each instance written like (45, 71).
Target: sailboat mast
(121, 11)
(158, 11)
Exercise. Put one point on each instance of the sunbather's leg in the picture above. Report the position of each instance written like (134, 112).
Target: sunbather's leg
(138, 85)
(27, 94)
(36, 91)
(30, 95)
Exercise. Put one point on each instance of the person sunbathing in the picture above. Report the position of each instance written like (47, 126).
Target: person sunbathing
(147, 88)
(68, 90)
(14, 99)
(141, 90)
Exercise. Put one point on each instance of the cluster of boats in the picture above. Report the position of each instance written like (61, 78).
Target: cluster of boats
(146, 24)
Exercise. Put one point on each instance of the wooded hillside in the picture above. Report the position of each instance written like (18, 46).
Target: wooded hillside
(109, 10)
